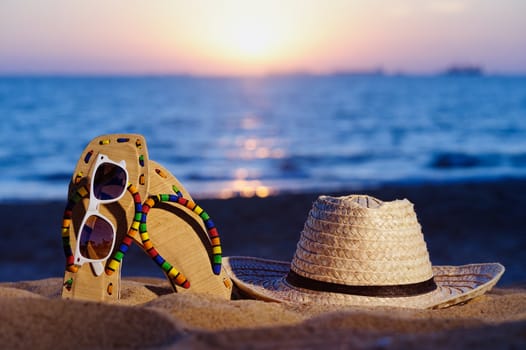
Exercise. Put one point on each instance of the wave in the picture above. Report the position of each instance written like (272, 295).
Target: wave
(460, 160)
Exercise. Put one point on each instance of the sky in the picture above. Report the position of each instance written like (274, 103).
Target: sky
(227, 37)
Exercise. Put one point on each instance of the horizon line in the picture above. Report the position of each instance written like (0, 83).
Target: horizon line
(357, 73)
(451, 69)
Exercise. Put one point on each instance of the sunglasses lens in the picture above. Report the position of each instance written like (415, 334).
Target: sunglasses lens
(96, 238)
(109, 181)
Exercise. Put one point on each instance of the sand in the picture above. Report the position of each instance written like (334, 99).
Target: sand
(149, 316)
(462, 223)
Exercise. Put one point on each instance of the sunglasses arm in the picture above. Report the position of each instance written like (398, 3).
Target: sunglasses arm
(98, 267)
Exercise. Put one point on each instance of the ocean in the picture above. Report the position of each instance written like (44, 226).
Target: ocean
(225, 137)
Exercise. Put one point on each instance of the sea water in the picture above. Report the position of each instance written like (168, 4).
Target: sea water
(251, 136)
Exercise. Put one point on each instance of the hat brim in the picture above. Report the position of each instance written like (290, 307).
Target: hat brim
(265, 279)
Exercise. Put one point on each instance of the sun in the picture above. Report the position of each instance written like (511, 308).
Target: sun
(243, 36)
(254, 41)
(250, 39)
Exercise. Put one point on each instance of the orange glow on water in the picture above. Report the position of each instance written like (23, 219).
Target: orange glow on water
(247, 189)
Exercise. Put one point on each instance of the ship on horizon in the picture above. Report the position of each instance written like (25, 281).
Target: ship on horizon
(464, 70)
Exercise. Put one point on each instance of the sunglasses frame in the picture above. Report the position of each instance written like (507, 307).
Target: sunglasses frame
(93, 210)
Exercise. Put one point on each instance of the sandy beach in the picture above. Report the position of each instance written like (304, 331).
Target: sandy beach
(462, 223)
(33, 316)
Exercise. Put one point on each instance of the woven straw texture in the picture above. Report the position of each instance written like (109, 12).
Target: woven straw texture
(359, 240)
(265, 280)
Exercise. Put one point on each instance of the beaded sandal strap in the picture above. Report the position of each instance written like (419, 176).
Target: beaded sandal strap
(171, 271)
(178, 198)
(117, 257)
(81, 193)
(178, 278)
(213, 234)
(140, 224)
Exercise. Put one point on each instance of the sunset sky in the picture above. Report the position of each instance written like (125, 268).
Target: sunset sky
(223, 37)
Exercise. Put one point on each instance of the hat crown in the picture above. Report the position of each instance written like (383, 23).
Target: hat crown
(359, 240)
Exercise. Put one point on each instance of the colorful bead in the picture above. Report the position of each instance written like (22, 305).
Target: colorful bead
(78, 178)
(148, 246)
(198, 210)
(120, 254)
(149, 202)
(136, 223)
(66, 222)
(159, 259)
(161, 173)
(166, 266)
(146, 208)
(83, 192)
(70, 259)
(68, 284)
(88, 156)
(213, 233)
(209, 223)
(127, 240)
(123, 249)
(112, 267)
(177, 192)
(182, 281)
(72, 268)
(144, 234)
(123, 139)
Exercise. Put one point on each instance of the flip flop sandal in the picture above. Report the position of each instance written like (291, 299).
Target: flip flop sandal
(175, 230)
(98, 200)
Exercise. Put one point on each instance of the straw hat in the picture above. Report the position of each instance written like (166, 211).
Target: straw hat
(358, 250)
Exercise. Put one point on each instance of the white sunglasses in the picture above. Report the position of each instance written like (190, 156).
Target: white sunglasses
(96, 238)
